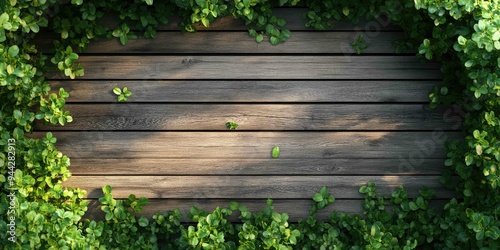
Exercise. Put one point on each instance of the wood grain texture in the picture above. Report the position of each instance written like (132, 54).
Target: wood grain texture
(249, 187)
(253, 145)
(159, 166)
(240, 42)
(296, 209)
(250, 91)
(293, 16)
(381, 117)
(256, 67)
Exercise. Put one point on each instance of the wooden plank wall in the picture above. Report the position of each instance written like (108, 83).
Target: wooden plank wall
(340, 119)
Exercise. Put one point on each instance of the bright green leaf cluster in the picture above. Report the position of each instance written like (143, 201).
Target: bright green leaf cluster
(123, 94)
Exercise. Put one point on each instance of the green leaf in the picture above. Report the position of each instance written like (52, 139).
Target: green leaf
(117, 33)
(345, 11)
(13, 51)
(469, 160)
(275, 152)
(274, 40)
(479, 149)
(260, 37)
(427, 43)
(448, 162)
(18, 133)
(276, 217)
(462, 40)
(117, 91)
(205, 22)
(317, 197)
(476, 134)
(496, 44)
(143, 221)
(4, 18)
(413, 206)
(233, 205)
(201, 3)
(467, 193)
(281, 22)
(107, 189)
(444, 90)
(18, 115)
(149, 2)
(123, 39)
(496, 36)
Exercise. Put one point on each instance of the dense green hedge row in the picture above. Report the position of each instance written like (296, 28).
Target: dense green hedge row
(38, 213)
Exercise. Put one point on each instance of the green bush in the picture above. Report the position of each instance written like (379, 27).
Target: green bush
(39, 213)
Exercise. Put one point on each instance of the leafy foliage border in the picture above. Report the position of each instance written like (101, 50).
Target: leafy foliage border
(463, 35)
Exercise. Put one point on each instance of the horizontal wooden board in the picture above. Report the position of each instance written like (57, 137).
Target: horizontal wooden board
(249, 91)
(296, 209)
(158, 166)
(253, 145)
(253, 117)
(249, 187)
(240, 42)
(256, 67)
(293, 16)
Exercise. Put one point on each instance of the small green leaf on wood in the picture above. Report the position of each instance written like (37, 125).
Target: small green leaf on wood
(276, 152)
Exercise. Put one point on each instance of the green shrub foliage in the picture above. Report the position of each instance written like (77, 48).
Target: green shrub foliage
(39, 213)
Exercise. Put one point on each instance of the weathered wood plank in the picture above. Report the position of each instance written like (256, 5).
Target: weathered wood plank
(158, 166)
(225, 42)
(256, 67)
(254, 117)
(293, 17)
(250, 91)
(296, 209)
(249, 187)
(253, 145)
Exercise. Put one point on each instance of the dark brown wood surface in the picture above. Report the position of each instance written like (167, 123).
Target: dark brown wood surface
(340, 119)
